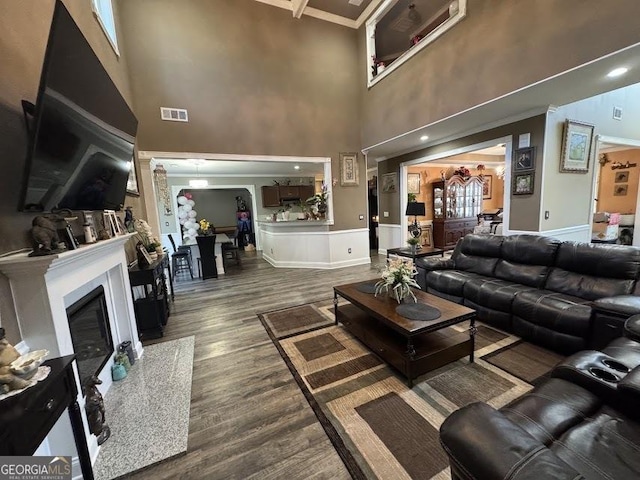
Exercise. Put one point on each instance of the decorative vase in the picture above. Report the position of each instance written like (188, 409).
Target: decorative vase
(414, 249)
(153, 255)
(322, 208)
(159, 251)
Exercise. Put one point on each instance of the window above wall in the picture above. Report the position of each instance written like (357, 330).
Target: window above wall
(103, 10)
(401, 28)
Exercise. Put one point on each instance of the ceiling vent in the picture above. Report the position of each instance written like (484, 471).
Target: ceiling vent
(174, 114)
(617, 113)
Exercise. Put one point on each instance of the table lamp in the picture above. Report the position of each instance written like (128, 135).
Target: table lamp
(416, 209)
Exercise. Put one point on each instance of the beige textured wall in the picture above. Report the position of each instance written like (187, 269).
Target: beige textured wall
(24, 29)
(499, 47)
(607, 201)
(567, 196)
(254, 80)
(525, 209)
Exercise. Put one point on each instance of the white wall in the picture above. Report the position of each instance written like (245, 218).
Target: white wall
(567, 196)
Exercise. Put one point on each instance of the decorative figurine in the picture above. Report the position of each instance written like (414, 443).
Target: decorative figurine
(8, 380)
(45, 236)
(94, 406)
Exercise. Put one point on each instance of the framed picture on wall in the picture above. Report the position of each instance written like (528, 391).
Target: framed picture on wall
(132, 181)
(487, 184)
(413, 183)
(622, 177)
(349, 176)
(389, 182)
(524, 159)
(523, 183)
(576, 147)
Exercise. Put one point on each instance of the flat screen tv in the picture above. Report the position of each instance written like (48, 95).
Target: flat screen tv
(82, 133)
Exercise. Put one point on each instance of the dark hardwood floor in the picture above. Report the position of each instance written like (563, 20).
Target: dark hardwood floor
(248, 417)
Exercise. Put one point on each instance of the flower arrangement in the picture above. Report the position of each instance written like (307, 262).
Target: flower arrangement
(205, 227)
(463, 172)
(145, 235)
(413, 241)
(320, 199)
(397, 280)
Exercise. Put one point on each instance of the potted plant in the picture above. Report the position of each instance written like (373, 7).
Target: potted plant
(413, 243)
(319, 200)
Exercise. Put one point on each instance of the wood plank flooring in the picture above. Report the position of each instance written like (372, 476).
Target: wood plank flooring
(248, 417)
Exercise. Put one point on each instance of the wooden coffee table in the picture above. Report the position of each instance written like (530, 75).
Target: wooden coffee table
(413, 347)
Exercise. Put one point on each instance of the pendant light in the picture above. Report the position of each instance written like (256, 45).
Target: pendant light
(198, 182)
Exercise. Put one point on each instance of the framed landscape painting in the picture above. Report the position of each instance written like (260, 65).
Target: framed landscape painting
(576, 147)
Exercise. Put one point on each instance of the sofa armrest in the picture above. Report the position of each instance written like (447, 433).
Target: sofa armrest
(483, 444)
(426, 265)
(632, 328)
(621, 305)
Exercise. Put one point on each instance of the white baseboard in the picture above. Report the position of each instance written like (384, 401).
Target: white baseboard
(318, 265)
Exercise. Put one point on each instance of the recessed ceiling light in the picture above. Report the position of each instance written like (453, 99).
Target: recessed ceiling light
(616, 72)
(198, 183)
(297, 167)
(424, 137)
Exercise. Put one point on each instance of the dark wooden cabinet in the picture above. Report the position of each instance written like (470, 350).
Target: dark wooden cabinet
(457, 202)
(152, 310)
(306, 191)
(274, 196)
(27, 418)
(270, 196)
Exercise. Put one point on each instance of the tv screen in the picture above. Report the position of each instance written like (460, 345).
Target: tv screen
(83, 133)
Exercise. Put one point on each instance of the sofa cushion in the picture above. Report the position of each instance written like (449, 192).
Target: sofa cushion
(607, 441)
(594, 271)
(478, 254)
(555, 311)
(450, 282)
(526, 259)
(493, 293)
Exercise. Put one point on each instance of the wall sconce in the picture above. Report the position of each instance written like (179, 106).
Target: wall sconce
(603, 159)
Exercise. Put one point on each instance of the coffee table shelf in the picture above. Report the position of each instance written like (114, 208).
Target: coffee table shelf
(412, 347)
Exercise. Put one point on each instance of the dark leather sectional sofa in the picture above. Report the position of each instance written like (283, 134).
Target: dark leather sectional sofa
(565, 296)
(584, 422)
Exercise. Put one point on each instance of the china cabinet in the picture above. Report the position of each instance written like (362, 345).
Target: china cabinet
(457, 202)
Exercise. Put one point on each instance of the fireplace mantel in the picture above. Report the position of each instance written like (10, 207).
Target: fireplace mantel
(44, 287)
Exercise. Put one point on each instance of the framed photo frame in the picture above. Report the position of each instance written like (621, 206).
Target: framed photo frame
(389, 182)
(426, 237)
(621, 177)
(132, 181)
(487, 186)
(413, 183)
(349, 175)
(143, 255)
(523, 183)
(111, 223)
(620, 190)
(524, 159)
(576, 147)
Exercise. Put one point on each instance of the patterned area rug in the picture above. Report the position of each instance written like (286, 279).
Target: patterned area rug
(380, 427)
(525, 360)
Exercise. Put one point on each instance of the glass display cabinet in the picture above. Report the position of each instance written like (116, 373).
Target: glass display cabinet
(457, 202)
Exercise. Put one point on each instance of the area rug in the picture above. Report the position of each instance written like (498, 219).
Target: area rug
(148, 411)
(525, 360)
(380, 427)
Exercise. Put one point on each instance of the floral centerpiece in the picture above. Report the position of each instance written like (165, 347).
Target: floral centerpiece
(205, 227)
(145, 236)
(397, 280)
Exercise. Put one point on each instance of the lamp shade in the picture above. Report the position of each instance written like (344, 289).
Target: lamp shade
(415, 208)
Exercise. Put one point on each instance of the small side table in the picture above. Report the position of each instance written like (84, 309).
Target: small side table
(422, 252)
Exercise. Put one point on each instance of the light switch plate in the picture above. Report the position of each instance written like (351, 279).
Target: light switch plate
(385, 214)
(361, 217)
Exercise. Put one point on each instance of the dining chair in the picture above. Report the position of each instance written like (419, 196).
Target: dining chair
(180, 258)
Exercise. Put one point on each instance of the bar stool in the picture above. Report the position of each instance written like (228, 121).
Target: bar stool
(230, 251)
(180, 258)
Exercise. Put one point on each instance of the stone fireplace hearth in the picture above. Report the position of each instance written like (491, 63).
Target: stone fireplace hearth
(44, 287)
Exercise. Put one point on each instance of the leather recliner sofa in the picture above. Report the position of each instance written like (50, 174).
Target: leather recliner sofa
(583, 422)
(565, 296)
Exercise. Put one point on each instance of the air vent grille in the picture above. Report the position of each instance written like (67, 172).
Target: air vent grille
(174, 114)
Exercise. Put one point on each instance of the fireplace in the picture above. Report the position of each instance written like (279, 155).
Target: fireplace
(53, 294)
(90, 333)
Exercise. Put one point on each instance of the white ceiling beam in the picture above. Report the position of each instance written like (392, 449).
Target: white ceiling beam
(298, 7)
